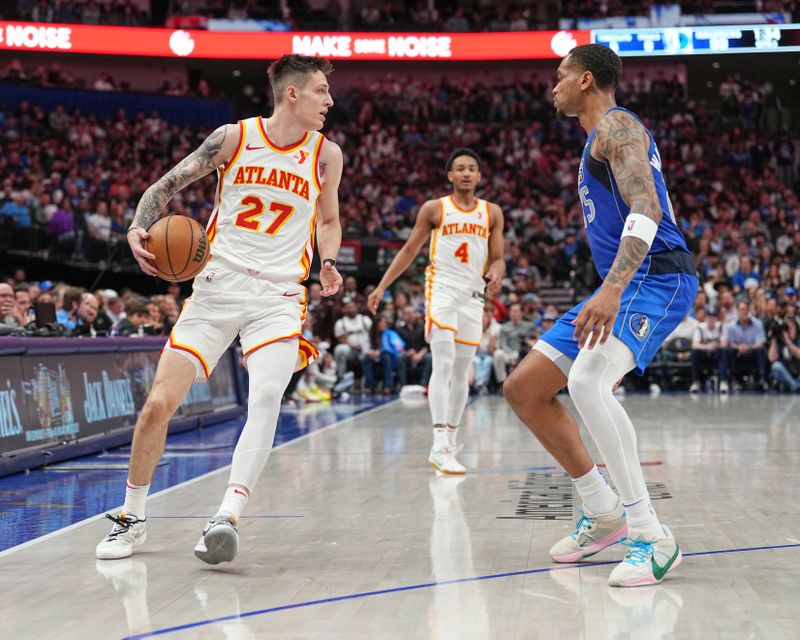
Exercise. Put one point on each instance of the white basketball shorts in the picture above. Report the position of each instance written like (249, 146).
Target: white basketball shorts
(456, 310)
(225, 303)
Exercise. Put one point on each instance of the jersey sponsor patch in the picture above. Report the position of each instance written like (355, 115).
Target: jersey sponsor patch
(640, 325)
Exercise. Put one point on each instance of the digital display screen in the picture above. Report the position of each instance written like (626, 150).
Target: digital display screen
(678, 41)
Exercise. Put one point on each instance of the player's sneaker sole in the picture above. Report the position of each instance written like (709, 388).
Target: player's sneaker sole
(448, 472)
(219, 544)
(590, 550)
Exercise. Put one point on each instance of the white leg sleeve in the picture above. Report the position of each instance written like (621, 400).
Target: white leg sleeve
(459, 382)
(443, 352)
(591, 381)
(270, 370)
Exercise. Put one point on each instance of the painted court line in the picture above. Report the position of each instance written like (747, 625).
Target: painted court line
(425, 585)
(206, 517)
(187, 483)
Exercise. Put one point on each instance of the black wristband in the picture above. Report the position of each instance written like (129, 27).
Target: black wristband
(329, 261)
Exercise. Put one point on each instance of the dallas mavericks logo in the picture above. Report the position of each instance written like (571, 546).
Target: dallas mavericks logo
(640, 325)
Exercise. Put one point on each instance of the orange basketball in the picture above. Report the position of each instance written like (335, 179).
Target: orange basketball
(180, 246)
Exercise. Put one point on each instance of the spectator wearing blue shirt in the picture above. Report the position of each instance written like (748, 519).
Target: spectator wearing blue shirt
(67, 315)
(745, 271)
(745, 342)
(386, 348)
(17, 211)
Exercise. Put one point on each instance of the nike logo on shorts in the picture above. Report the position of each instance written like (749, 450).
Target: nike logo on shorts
(286, 294)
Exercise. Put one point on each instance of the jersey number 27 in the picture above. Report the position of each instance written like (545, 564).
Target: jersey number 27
(250, 218)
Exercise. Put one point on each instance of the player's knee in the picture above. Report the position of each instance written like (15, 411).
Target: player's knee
(583, 384)
(269, 394)
(157, 409)
(515, 391)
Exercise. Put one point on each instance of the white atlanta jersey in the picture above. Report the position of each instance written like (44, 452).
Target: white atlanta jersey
(459, 247)
(265, 213)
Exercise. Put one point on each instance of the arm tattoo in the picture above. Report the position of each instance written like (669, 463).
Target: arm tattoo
(197, 164)
(322, 166)
(622, 142)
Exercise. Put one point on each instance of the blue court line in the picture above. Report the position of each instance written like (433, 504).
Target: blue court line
(425, 585)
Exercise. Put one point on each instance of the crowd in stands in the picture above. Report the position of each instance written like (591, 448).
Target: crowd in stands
(69, 184)
(376, 15)
(56, 309)
(120, 13)
(594, 9)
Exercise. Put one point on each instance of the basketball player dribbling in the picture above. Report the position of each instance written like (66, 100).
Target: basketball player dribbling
(649, 285)
(466, 235)
(278, 181)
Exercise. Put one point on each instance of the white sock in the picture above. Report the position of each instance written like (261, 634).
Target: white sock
(135, 497)
(233, 503)
(642, 519)
(598, 498)
(452, 436)
(440, 439)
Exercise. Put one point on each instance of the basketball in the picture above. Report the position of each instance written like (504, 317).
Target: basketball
(180, 246)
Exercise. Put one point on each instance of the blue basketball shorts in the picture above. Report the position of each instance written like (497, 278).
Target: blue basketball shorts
(651, 307)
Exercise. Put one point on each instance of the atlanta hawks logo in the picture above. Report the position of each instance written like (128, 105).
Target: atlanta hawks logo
(301, 156)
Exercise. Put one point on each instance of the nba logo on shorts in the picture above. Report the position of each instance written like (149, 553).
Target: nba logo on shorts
(640, 325)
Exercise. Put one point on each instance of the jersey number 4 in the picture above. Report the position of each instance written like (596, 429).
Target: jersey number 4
(250, 218)
(462, 253)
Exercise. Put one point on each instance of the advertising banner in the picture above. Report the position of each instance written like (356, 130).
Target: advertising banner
(260, 45)
(57, 399)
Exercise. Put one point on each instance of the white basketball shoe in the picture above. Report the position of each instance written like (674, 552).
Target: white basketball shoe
(444, 460)
(592, 534)
(219, 541)
(647, 562)
(128, 532)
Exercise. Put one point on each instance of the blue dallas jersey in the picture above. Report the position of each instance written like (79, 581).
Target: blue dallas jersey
(604, 210)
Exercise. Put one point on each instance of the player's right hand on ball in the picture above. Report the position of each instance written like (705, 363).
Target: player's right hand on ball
(374, 300)
(136, 239)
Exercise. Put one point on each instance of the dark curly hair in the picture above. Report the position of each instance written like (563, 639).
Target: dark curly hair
(601, 61)
(295, 69)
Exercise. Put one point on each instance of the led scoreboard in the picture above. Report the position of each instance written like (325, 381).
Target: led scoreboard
(678, 41)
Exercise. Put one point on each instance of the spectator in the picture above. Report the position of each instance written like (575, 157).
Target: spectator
(22, 298)
(512, 344)
(68, 313)
(88, 322)
(744, 273)
(707, 352)
(9, 313)
(784, 355)
(744, 341)
(113, 307)
(483, 362)
(137, 321)
(16, 211)
(352, 334)
(417, 355)
(385, 348)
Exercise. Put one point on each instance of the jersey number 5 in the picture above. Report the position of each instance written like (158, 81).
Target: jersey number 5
(462, 253)
(587, 203)
(250, 217)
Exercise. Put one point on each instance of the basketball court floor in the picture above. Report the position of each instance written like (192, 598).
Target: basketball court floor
(351, 535)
